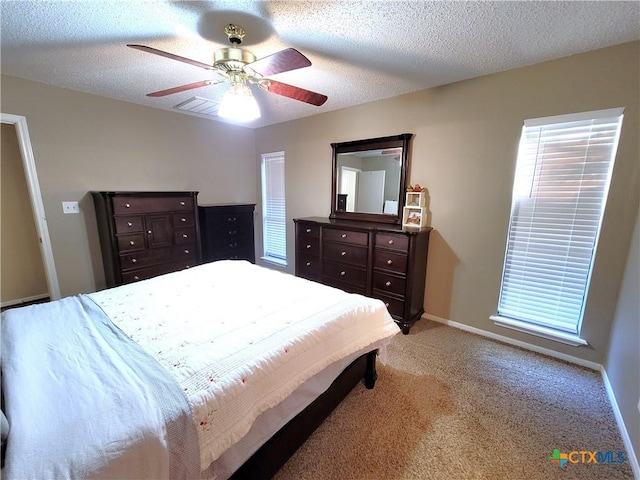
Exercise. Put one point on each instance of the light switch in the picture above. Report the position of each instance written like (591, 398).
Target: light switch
(70, 207)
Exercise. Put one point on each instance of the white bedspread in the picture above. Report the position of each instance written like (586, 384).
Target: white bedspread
(240, 338)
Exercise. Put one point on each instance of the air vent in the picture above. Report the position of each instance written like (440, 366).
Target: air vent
(199, 106)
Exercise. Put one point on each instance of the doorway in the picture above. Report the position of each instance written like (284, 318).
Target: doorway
(35, 200)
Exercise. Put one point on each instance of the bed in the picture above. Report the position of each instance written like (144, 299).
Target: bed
(218, 371)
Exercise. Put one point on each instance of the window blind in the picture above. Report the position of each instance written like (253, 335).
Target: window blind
(562, 178)
(273, 207)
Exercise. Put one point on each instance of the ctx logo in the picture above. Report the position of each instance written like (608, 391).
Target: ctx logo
(584, 456)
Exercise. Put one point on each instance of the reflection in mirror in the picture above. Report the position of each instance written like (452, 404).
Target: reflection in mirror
(369, 181)
(369, 177)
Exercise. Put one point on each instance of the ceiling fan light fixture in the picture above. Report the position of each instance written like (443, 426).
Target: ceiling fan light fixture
(238, 103)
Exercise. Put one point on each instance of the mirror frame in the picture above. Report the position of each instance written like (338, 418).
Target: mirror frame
(394, 141)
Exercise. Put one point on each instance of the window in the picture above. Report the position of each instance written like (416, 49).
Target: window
(560, 188)
(274, 224)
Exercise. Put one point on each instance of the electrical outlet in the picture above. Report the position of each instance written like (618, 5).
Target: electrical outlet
(70, 207)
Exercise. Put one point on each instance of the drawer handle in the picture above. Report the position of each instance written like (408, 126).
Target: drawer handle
(233, 232)
(129, 224)
(127, 205)
(308, 264)
(390, 242)
(134, 260)
(131, 242)
(389, 262)
(344, 235)
(184, 235)
(186, 251)
(388, 284)
(343, 273)
(149, 232)
(308, 245)
(182, 204)
(233, 245)
(187, 266)
(308, 230)
(231, 219)
(343, 253)
(136, 277)
(183, 219)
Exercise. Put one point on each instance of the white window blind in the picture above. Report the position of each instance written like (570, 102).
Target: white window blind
(274, 226)
(562, 178)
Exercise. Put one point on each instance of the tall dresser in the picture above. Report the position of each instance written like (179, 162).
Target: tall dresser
(379, 260)
(145, 234)
(227, 232)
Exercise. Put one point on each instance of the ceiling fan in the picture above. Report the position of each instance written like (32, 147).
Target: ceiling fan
(239, 67)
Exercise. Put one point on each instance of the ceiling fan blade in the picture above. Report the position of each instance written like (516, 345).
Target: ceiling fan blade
(182, 88)
(161, 53)
(282, 61)
(290, 91)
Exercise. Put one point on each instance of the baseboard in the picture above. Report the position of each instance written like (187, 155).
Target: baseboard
(633, 460)
(518, 343)
(631, 454)
(19, 301)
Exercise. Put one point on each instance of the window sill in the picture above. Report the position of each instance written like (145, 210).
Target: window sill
(544, 332)
(274, 261)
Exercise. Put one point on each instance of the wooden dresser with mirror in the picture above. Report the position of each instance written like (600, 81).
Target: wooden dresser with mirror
(362, 247)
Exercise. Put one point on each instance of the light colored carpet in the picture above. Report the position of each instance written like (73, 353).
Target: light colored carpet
(453, 405)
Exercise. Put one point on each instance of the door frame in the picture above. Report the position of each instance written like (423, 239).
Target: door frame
(33, 186)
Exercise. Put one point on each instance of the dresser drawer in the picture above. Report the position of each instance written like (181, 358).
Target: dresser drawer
(184, 235)
(131, 242)
(389, 260)
(130, 204)
(340, 252)
(344, 273)
(308, 230)
(229, 220)
(346, 236)
(394, 305)
(308, 246)
(186, 219)
(129, 224)
(392, 241)
(308, 267)
(150, 272)
(389, 283)
(156, 256)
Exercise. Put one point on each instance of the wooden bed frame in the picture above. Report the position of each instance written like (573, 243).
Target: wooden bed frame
(266, 462)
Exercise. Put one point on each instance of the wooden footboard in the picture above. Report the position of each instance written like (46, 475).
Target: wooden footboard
(278, 449)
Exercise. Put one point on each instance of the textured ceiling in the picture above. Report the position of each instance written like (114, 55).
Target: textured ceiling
(361, 51)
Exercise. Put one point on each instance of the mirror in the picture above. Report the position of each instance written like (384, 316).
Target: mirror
(368, 179)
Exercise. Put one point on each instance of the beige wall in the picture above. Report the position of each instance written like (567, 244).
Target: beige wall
(22, 275)
(623, 359)
(464, 150)
(84, 142)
